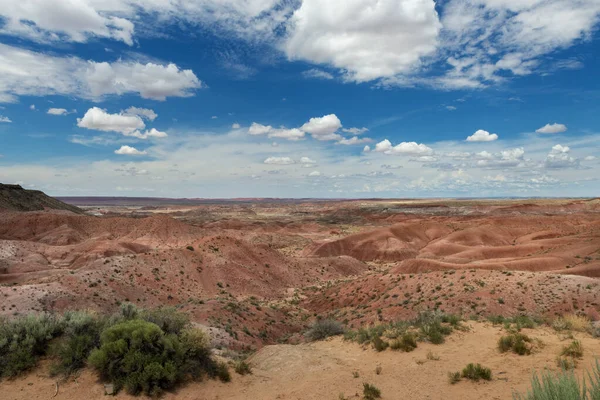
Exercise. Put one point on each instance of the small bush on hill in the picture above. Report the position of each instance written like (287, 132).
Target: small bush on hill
(379, 344)
(453, 377)
(407, 343)
(518, 343)
(243, 368)
(573, 350)
(572, 322)
(324, 328)
(24, 339)
(371, 392)
(475, 372)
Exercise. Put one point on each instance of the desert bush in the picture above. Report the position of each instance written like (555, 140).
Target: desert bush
(24, 339)
(432, 356)
(573, 350)
(564, 386)
(371, 392)
(243, 368)
(324, 328)
(453, 377)
(406, 343)
(572, 322)
(167, 318)
(138, 356)
(196, 355)
(476, 372)
(379, 344)
(222, 372)
(518, 343)
(566, 363)
(81, 334)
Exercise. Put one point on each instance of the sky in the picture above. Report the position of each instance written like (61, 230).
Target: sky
(301, 98)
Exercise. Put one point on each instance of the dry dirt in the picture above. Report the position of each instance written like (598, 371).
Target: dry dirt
(323, 370)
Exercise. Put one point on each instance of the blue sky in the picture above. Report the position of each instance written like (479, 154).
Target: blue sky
(302, 98)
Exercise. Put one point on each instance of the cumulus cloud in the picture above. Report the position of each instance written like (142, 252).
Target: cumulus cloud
(552, 128)
(129, 151)
(279, 161)
(404, 148)
(145, 113)
(72, 76)
(317, 74)
(363, 38)
(236, 126)
(98, 119)
(314, 174)
(152, 133)
(57, 111)
(32, 107)
(559, 158)
(323, 128)
(367, 149)
(5, 119)
(482, 136)
(505, 158)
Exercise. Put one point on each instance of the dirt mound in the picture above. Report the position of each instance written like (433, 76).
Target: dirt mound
(15, 198)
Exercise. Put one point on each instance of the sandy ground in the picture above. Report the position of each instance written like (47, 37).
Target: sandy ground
(324, 370)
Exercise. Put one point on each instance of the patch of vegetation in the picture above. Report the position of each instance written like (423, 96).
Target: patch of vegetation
(143, 351)
(371, 392)
(572, 322)
(24, 340)
(573, 350)
(518, 343)
(243, 368)
(476, 372)
(453, 377)
(429, 326)
(324, 328)
(564, 386)
(407, 342)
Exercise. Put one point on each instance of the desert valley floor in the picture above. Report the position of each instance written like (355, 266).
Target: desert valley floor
(257, 273)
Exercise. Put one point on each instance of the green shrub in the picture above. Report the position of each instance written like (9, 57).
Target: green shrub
(475, 372)
(324, 328)
(371, 392)
(196, 362)
(518, 343)
(138, 356)
(222, 372)
(406, 343)
(566, 363)
(81, 335)
(24, 339)
(167, 318)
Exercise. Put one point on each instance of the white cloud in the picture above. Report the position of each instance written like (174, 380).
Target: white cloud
(307, 160)
(450, 108)
(323, 128)
(314, 174)
(354, 140)
(257, 129)
(559, 158)
(355, 131)
(152, 133)
(32, 107)
(367, 149)
(404, 148)
(57, 111)
(590, 158)
(56, 20)
(365, 39)
(279, 161)
(289, 134)
(236, 126)
(317, 74)
(129, 151)
(146, 113)
(72, 76)
(4, 119)
(214, 117)
(552, 128)
(98, 119)
(482, 136)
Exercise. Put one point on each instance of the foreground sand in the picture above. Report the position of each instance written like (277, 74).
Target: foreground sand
(324, 370)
